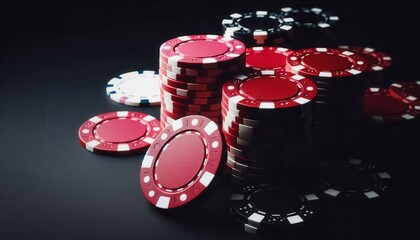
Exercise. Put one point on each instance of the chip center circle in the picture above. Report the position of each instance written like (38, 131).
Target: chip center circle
(351, 178)
(276, 200)
(139, 86)
(260, 23)
(202, 48)
(306, 17)
(180, 161)
(383, 104)
(326, 61)
(269, 88)
(266, 60)
(120, 130)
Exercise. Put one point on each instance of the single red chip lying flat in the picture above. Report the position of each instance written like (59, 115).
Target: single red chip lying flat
(119, 132)
(409, 91)
(376, 60)
(325, 62)
(182, 162)
(270, 58)
(381, 106)
(268, 90)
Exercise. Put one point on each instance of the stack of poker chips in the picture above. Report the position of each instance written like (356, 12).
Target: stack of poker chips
(192, 72)
(289, 26)
(338, 76)
(265, 114)
(258, 28)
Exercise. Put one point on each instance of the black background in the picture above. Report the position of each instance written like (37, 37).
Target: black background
(56, 58)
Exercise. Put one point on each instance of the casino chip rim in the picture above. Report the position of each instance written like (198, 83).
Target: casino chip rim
(377, 189)
(163, 198)
(294, 64)
(233, 27)
(384, 61)
(89, 140)
(149, 80)
(412, 111)
(237, 100)
(328, 19)
(170, 56)
(243, 208)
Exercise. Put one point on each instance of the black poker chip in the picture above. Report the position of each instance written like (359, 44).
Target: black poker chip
(271, 207)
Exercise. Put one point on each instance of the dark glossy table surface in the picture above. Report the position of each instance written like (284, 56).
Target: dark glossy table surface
(56, 58)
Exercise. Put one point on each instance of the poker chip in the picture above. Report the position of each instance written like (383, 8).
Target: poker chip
(120, 132)
(201, 51)
(202, 72)
(377, 60)
(257, 28)
(266, 58)
(186, 100)
(267, 90)
(172, 175)
(354, 179)
(190, 79)
(408, 91)
(312, 18)
(188, 85)
(190, 93)
(325, 63)
(135, 89)
(263, 207)
(191, 107)
(379, 105)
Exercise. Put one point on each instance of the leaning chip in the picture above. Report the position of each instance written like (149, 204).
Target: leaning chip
(182, 162)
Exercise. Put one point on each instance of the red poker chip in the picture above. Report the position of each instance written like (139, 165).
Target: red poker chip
(190, 93)
(380, 105)
(190, 86)
(267, 58)
(176, 115)
(191, 107)
(187, 100)
(377, 60)
(192, 79)
(181, 112)
(227, 71)
(269, 90)
(202, 51)
(165, 118)
(275, 116)
(172, 174)
(244, 167)
(262, 123)
(257, 134)
(408, 91)
(325, 63)
(119, 132)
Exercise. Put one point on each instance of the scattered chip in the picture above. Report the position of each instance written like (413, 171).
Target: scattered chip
(135, 89)
(379, 105)
(408, 91)
(119, 132)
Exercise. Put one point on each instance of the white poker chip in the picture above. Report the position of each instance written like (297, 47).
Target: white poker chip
(135, 89)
